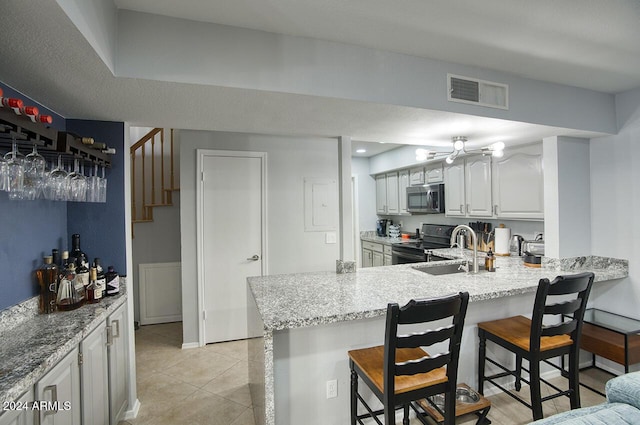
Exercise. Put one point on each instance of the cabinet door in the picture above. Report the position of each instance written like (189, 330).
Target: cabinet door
(61, 388)
(94, 378)
(403, 183)
(519, 186)
(387, 260)
(416, 177)
(381, 194)
(378, 259)
(454, 201)
(20, 413)
(478, 187)
(367, 258)
(117, 324)
(393, 207)
(434, 174)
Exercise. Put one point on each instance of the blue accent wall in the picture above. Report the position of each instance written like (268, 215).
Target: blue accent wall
(102, 226)
(30, 229)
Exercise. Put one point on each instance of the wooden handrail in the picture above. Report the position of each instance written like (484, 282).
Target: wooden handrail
(145, 139)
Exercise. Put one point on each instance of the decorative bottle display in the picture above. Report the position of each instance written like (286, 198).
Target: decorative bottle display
(101, 279)
(47, 276)
(112, 282)
(69, 297)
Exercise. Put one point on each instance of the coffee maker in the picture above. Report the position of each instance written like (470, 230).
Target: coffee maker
(382, 226)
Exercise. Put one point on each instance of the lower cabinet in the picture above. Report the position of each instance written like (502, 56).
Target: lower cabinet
(59, 389)
(20, 412)
(95, 377)
(375, 254)
(118, 348)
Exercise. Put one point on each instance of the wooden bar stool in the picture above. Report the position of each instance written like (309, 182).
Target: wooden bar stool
(399, 371)
(538, 340)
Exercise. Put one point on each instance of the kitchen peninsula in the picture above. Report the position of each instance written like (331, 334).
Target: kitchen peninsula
(311, 320)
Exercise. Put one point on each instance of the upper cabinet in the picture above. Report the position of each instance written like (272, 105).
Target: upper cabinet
(454, 200)
(416, 176)
(434, 174)
(478, 186)
(519, 184)
(393, 206)
(381, 194)
(403, 183)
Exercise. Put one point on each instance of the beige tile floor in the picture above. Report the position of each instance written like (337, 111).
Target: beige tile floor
(209, 385)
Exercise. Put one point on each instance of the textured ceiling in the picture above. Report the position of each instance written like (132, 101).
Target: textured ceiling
(593, 44)
(45, 56)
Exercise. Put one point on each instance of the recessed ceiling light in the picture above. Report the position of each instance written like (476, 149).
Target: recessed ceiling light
(361, 151)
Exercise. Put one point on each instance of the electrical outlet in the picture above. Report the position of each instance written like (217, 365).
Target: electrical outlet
(332, 388)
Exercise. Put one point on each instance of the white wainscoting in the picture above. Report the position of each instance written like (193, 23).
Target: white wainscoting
(160, 293)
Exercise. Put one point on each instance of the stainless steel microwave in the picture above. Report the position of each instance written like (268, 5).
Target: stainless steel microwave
(428, 199)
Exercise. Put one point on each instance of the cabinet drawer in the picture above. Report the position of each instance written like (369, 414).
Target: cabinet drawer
(386, 249)
(377, 247)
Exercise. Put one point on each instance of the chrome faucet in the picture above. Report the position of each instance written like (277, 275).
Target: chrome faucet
(474, 241)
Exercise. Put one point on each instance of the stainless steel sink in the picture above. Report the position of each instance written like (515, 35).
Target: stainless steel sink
(438, 270)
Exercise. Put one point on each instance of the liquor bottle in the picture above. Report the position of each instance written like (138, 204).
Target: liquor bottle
(94, 292)
(47, 276)
(55, 255)
(113, 282)
(101, 279)
(82, 277)
(77, 253)
(69, 297)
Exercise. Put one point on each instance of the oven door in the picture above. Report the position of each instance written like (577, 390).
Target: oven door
(405, 255)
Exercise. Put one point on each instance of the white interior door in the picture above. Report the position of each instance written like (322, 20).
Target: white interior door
(231, 231)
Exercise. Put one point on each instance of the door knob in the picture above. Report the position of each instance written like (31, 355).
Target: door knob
(256, 257)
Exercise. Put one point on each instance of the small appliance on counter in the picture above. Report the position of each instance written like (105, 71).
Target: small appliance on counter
(394, 231)
(533, 251)
(382, 226)
(516, 245)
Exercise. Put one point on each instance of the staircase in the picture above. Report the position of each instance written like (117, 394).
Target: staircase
(152, 175)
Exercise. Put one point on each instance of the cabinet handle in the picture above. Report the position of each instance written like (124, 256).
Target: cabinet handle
(54, 399)
(467, 208)
(109, 336)
(461, 209)
(495, 209)
(117, 332)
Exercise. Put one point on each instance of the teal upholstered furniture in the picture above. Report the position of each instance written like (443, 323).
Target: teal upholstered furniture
(621, 408)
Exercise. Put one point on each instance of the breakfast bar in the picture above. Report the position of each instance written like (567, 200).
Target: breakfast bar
(310, 321)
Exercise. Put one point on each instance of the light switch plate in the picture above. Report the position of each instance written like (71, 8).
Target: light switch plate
(330, 237)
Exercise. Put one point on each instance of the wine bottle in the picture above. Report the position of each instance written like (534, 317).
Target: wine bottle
(47, 276)
(13, 103)
(77, 253)
(101, 279)
(44, 119)
(113, 282)
(55, 255)
(30, 111)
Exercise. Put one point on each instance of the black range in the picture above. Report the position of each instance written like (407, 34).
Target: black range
(434, 236)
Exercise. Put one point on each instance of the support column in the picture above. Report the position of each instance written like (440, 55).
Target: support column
(345, 197)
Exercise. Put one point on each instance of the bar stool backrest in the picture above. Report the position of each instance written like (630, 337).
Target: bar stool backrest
(424, 311)
(571, 308)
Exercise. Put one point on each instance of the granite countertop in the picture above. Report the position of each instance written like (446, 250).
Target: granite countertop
(32, 343)
(385, 240)
(308, 299)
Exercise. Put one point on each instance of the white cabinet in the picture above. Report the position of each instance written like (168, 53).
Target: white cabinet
(393, 206)
(381, 194)
(117, 353)
(454, 196)
(468, 188)
(61, 387)
(372, 254)
(386, 250)
(434, 174)
(478, 186)
(519, 184)
(19, 412)
(416, 176)
(94, 377)
(403, 183)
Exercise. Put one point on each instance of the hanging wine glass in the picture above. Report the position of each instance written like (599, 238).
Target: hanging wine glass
(34, 174)
(55, 188)
(77, 184)
(102, 188)
(93, 186)
(15, 172)
(4, 174)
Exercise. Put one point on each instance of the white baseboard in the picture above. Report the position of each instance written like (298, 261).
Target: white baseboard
(189, 345)
(133, 412)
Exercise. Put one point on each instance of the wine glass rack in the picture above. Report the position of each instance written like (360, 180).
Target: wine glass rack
(50, 142)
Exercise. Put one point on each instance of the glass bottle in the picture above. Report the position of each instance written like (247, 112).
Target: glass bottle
(68, 296)
(47, 276)
(489, 262)
(112, 282)
(101, 279)
(94, 292)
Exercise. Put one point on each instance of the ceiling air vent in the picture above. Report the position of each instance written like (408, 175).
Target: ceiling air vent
(478, 92)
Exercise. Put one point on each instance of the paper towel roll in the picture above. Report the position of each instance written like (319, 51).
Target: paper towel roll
(503, 236)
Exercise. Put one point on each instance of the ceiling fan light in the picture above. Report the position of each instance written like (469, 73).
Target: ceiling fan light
(458, 145)
(497, 153)
(450, 159)
(421, 154)
(498, 146)
(431, 154)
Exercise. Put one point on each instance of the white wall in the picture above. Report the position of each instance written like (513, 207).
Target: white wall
(290, 248)
(168, 49)
(366, 194)
(615, 202)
